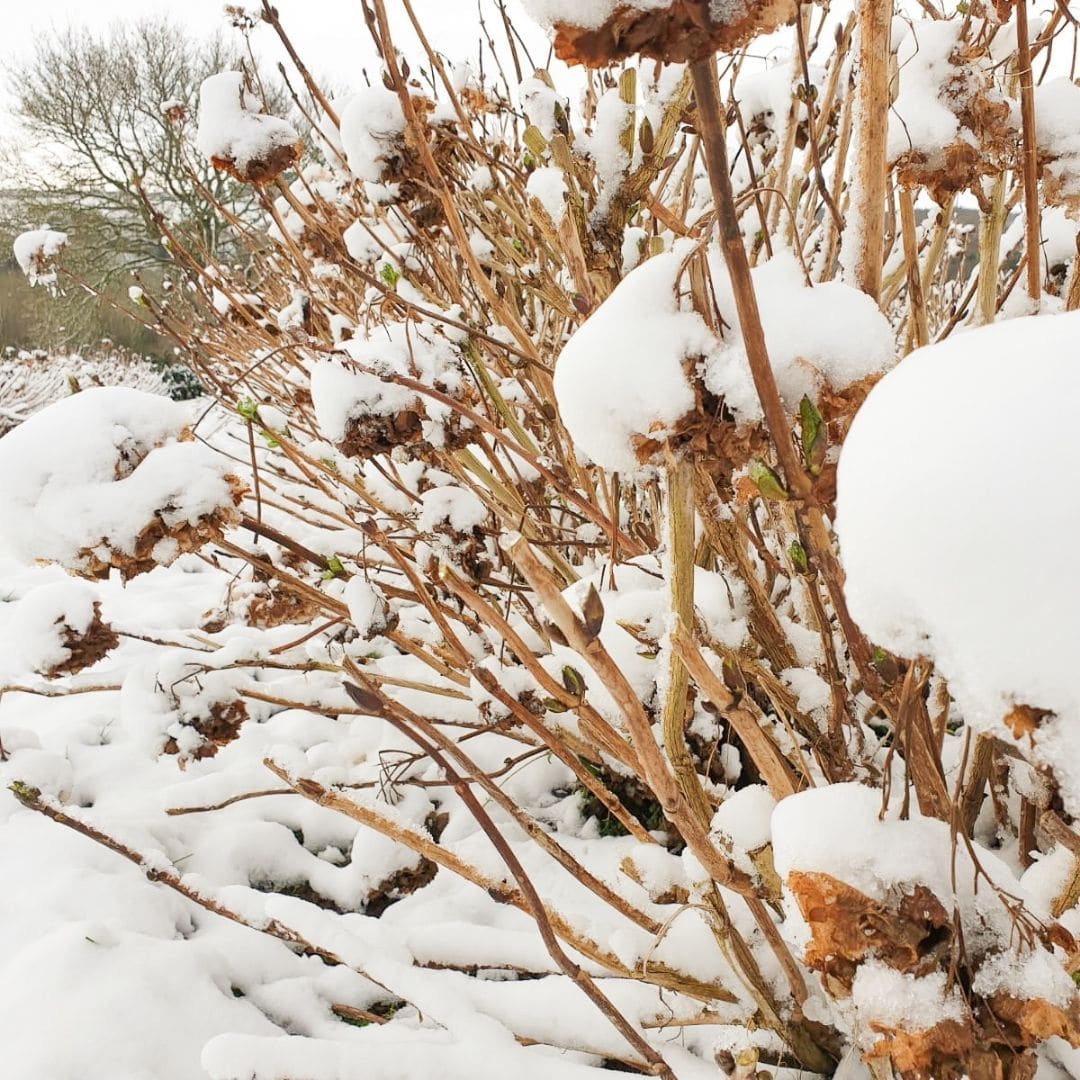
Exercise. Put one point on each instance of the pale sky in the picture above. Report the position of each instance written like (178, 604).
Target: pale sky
(329, 34)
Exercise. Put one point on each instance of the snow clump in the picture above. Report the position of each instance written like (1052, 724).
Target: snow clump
(36, 252)
(237, 137)
(957, 520)
(371, 128)
(130, 495)
(647, 356)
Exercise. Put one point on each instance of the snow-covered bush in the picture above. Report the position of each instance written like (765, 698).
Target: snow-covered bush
(509, 690)
(111, 478)
(31, 380)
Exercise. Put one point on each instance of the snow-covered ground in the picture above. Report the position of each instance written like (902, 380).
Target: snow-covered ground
(108, 971)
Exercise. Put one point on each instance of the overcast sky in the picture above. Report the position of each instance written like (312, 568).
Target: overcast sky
(329, 34)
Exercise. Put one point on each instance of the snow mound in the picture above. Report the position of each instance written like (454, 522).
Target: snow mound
(548, 186)
(839, 830)
(360, 407)
(587, 14)
(623, 373)
(30, 381)
(957, 516)
(829, 334)
(49, 628)
(237, 137)
(100, 479)
(1056, 105)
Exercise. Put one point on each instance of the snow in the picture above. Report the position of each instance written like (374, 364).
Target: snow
(1057, 102)
(548, 186)
(342, 393)
(455, 506)
(831, 333)
(920, 119)
(640, 350)
(368, 610)
(953, 461)
(89, 973)
(841, 830)
(622, 373)
(605, 144)
(30, 381)
(956, 496)
(538, 100)
(129, 469)
(34, 635)
(35, 251)
(587, 14)
(1035, 975)
(881, 995)
(811, 690)
(745, 817)
(232, 128)
(371, 125)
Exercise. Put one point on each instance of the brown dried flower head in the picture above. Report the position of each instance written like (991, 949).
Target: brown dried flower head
(682, 32)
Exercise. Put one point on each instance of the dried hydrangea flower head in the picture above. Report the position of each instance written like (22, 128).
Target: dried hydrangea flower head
(240, 139)
(606, 31)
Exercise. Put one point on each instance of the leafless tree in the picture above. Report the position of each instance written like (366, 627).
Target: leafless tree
(101, 115)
